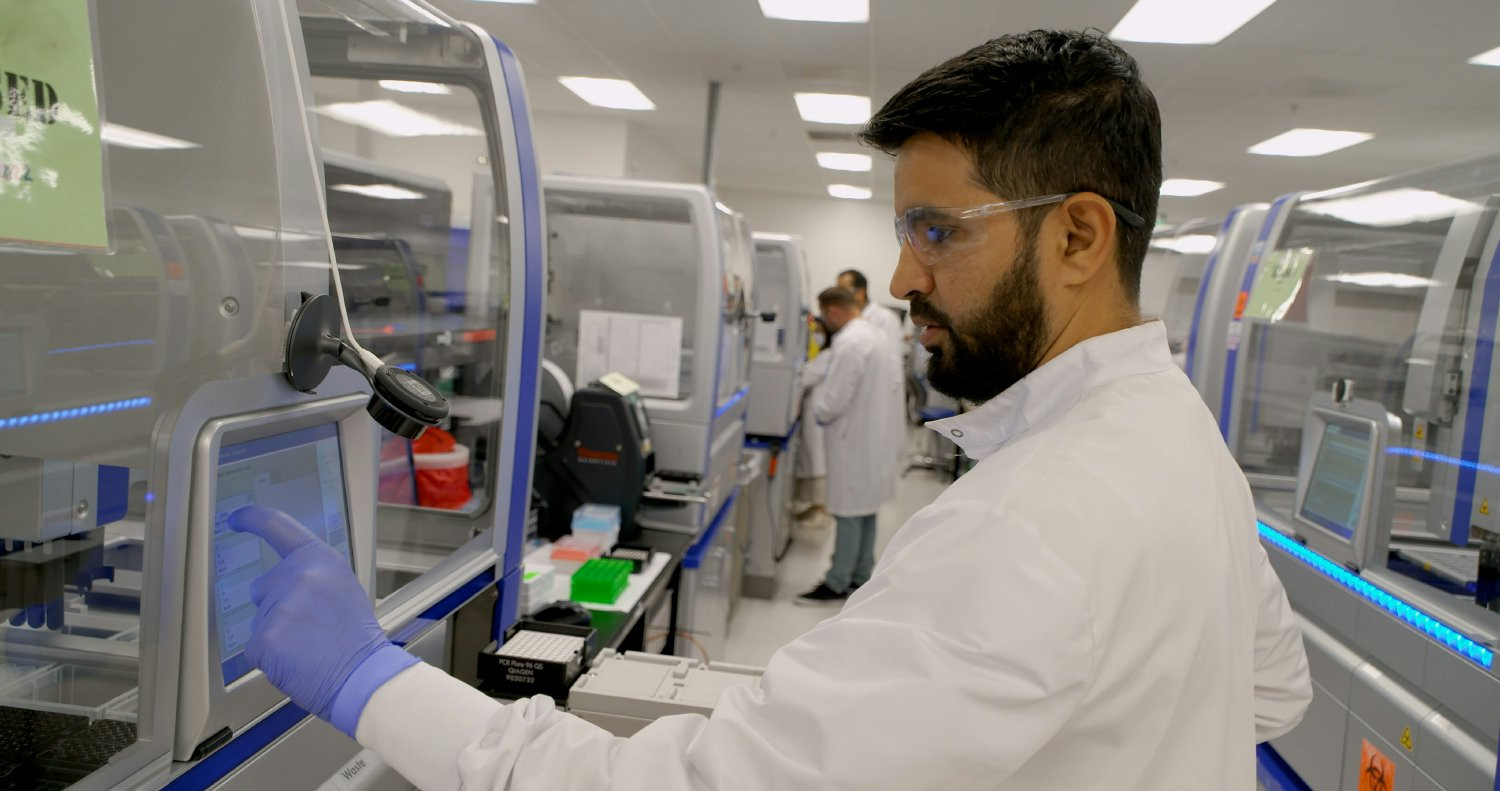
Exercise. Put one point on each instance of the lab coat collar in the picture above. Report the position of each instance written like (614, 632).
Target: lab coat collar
(1054, 388)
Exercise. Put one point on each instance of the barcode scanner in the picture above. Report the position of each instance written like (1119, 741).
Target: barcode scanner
(402, 402)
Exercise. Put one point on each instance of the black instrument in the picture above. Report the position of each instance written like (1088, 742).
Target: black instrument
(602, 454)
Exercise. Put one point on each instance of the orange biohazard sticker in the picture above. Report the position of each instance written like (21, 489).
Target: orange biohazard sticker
(1376, 772)
(1239, 305)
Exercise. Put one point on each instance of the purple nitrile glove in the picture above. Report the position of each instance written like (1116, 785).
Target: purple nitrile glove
(315, 634)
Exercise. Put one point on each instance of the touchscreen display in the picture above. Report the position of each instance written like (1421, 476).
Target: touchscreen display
(299, 472)
(1336, 488)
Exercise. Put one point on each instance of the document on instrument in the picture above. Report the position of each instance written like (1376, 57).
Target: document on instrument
(645, 348)
(767, 337)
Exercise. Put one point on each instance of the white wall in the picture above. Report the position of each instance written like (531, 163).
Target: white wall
(606, 148)
(580, 146)
(649, 159)
(838, 234)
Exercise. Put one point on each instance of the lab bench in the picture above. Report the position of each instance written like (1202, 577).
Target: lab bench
(630, 630)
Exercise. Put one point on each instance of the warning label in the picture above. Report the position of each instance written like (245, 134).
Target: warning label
(1376, 772)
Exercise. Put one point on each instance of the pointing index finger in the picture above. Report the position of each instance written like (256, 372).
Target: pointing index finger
(277, 528)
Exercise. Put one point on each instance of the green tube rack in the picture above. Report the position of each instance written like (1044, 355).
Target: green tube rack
(600, 580)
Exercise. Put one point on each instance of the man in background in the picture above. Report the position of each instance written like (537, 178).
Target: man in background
(887, 320)
(893, 326)
(811, 494)
(854, 404)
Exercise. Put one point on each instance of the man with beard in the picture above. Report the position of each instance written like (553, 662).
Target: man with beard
(1088, 609)
(857, 404)
(1105, 526)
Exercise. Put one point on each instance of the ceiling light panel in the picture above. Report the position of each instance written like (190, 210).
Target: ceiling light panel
(1382, 280)
(1186, 21)
(1491, 58)
(1393, 207)
(849, 192)
(396, 120)
(833, 108)
(381, 191)
(833, 160)
(128, 137)
(1189, 188)
(410, 86)
(1193, 244)
(817, 10)
(419, 11)
(609, 93)
(1308, 142)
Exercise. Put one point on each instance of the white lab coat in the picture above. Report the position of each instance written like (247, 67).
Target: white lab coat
(889, 324)
(1088, 609)
(858, 404)
(894, 328)
(812, 452)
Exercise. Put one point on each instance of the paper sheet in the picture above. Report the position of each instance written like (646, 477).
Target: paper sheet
(767, 337)
(1277, 284)
(51, 143)
(645, 348)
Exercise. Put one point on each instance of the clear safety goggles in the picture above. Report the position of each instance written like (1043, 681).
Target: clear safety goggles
(936, 234)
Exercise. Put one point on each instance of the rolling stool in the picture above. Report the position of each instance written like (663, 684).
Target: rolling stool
(941, 454)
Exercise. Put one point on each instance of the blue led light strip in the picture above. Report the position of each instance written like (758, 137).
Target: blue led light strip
(1413, 617)
(731, 401)
(1441, 459)
(23, 421)
(99, 346)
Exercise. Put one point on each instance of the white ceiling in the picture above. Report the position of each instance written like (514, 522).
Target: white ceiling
(1395, 69)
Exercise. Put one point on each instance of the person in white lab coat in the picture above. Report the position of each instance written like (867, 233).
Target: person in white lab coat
(892, 432)
(810, 501)
(886, 319)
(857, 403)
(1089, 608)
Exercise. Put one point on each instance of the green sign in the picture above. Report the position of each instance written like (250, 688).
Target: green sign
(51, 156)
(1277, 282)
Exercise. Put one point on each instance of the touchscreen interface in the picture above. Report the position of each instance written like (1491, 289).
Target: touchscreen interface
(1336, 488)
(299, 472)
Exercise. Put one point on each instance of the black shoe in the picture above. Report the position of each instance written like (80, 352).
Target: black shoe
(819, 596)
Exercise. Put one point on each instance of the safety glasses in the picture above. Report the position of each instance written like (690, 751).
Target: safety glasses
(938, 234)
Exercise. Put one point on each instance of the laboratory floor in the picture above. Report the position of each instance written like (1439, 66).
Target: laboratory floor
(760, 627)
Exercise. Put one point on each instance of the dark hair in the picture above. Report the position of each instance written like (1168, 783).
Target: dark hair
(860, 283)
(836, 296)
(1041, 113)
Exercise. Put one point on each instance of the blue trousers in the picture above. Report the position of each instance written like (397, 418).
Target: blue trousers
(853, 552)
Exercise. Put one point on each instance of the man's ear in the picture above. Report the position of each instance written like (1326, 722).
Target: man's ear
(1084, 231)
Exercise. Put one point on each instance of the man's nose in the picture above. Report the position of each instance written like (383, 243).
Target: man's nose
(911, 276)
